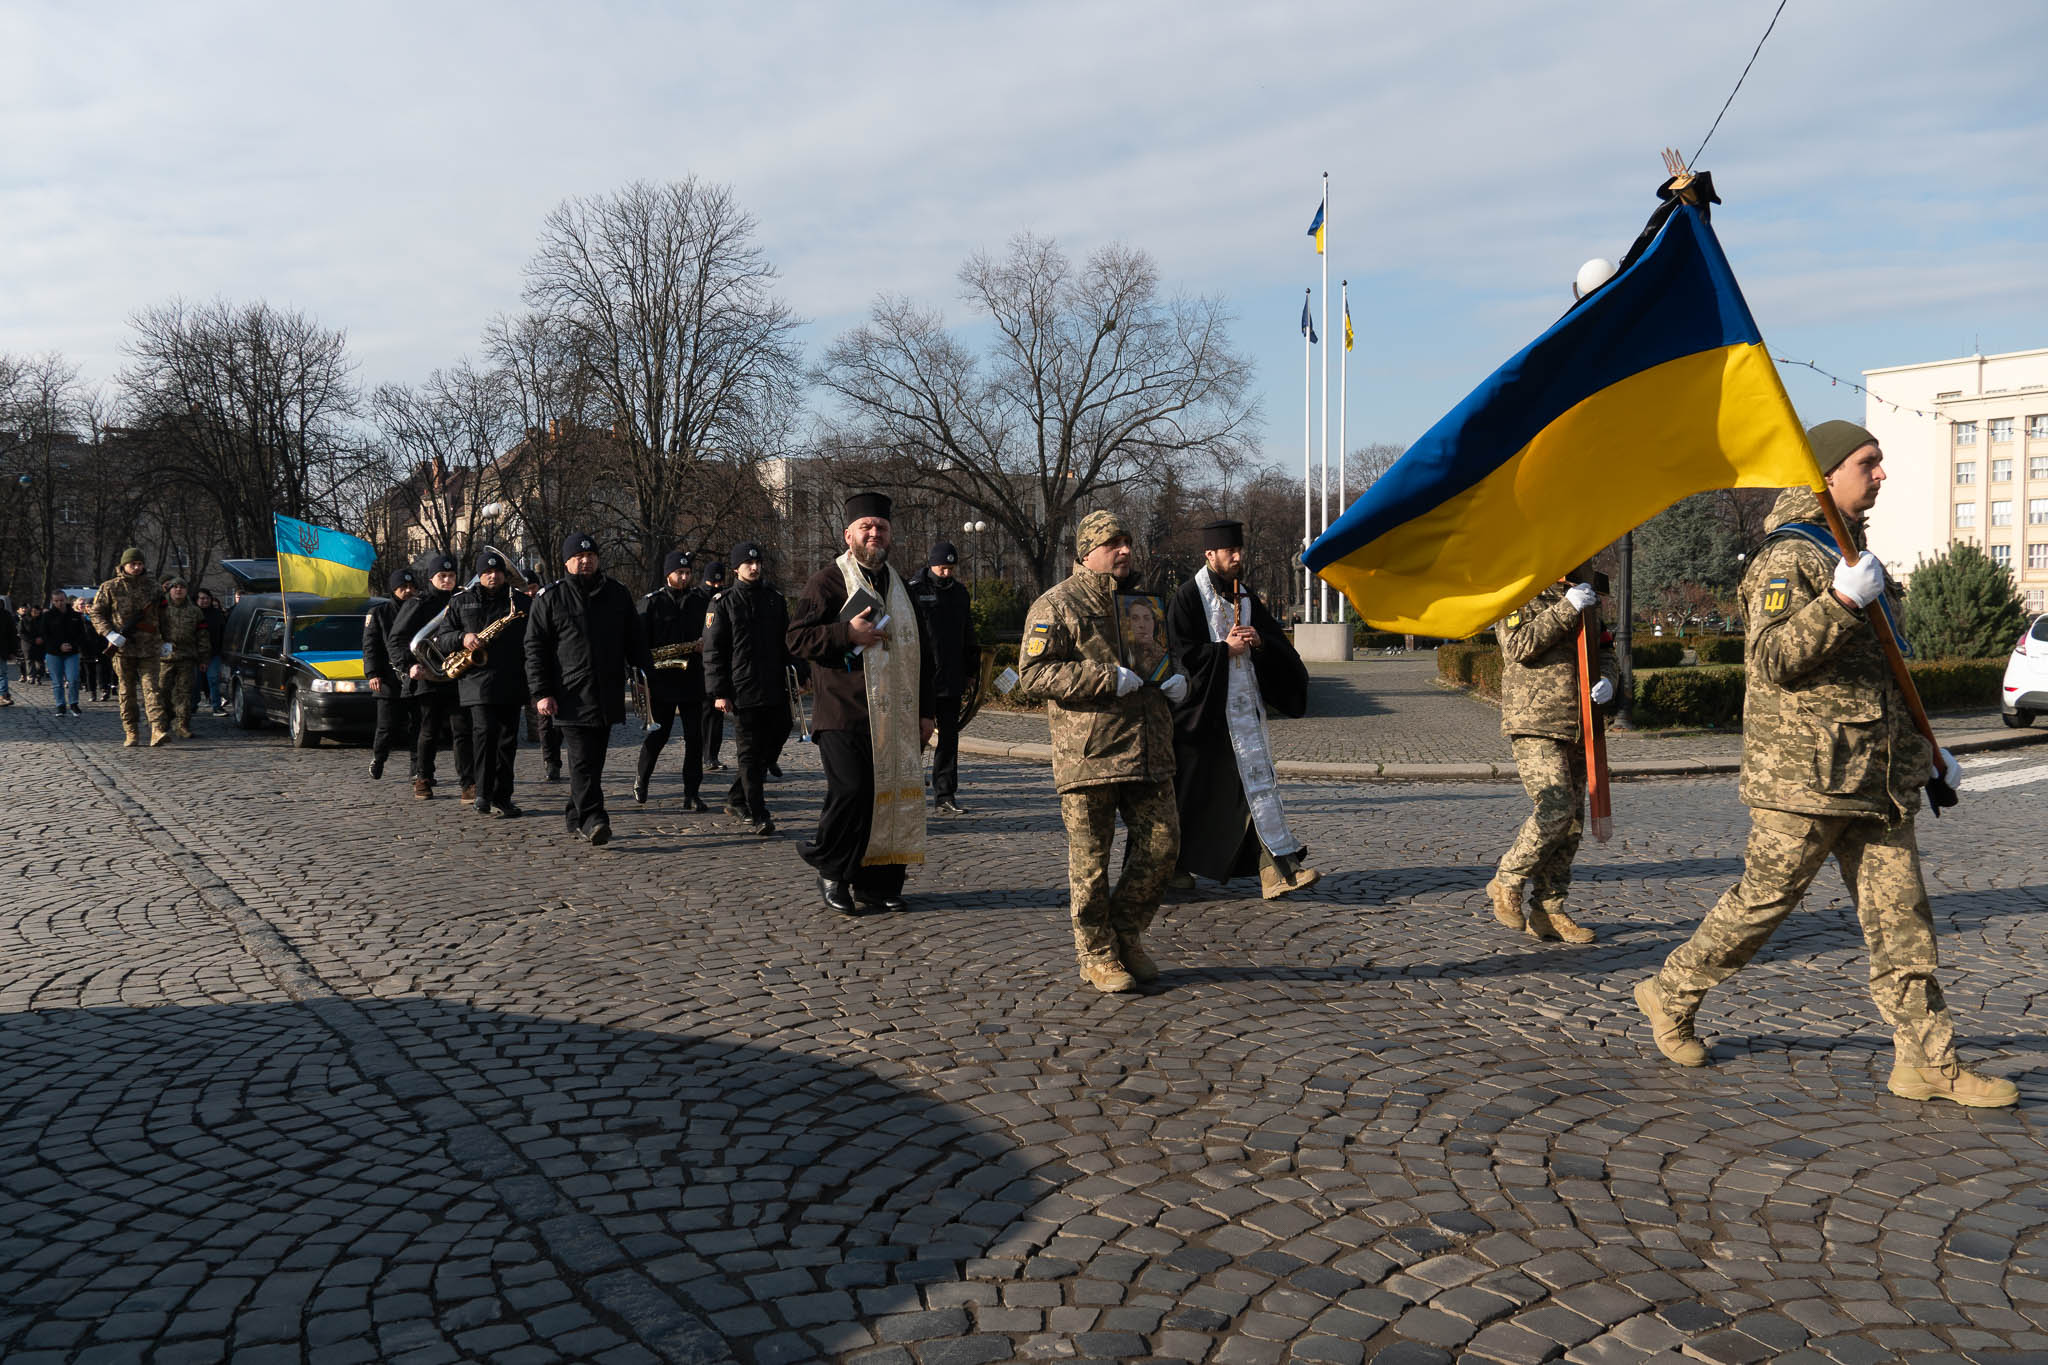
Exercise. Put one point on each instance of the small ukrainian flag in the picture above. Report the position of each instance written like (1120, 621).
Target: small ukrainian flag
(320, 560)
(1308, 326)
(1347, 324)
(1315, 229)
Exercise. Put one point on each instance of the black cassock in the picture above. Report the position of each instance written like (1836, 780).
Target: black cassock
(1217, 839)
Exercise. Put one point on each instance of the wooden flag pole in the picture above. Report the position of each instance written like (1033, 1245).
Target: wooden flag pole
(1599, 786)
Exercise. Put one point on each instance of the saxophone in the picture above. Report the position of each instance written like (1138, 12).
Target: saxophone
(676, 657)
(462, 660)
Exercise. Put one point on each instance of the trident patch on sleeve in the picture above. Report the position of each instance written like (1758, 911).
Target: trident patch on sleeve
(1514, 619)
(1035, 646)
(1777, 596)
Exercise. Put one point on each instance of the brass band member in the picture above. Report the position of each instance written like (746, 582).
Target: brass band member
(383, 664)
(746, 672)
(673, 616)
(488, 619)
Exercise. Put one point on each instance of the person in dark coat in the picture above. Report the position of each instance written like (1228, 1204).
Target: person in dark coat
(10, 645)
(493, 688)
(714, 719)
(673, 615)
(1240, 664)
(381, 655)
(60, 641)
(213, 628)
(956, 658)
(582, 637)
(872, 826)
(746, 673)
(436, 705)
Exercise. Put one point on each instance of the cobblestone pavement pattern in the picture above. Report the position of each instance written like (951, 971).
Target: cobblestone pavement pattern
(293, 1069)
(1391, 710)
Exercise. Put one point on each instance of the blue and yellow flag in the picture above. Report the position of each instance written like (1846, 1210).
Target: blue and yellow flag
(1655, 387)
(1315, 229)
(1308, 326)
(318, 560)
(1347, 324)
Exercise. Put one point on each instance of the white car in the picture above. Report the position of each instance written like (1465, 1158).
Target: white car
(2026, 677)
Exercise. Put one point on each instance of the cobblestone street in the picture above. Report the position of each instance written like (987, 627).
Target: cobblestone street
(295, 1068)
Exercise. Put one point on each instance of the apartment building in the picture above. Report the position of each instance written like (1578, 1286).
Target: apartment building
(1966, 460)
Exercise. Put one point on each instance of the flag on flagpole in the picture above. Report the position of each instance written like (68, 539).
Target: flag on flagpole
(1308, 326)
(1315, 229)
(320, 560)
(1347, 324)
(1654, 387)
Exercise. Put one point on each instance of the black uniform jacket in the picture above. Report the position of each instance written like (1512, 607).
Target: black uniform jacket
(956, 654)
(405, 624)
(501, 676)
(378, 656)
(746, 657)
(676, 618)
(579, 644)
(818, 637)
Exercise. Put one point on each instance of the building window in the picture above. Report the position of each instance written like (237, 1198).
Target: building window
(1966, 514)
(2036, 597)
(1966, 433)
(2001, 428)
(2037, 511)
(2037, 555)
(2001, 471)
(2037, 466)
(2001, 555)
(2001, 512)
(1966, 471)
(2037, 426)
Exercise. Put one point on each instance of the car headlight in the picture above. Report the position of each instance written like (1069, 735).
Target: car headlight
(323, 685)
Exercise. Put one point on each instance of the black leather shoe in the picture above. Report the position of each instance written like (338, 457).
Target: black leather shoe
(868, 903)
(600, 834)
(640, 790)
(554, 772)
(765, 829)
(949, 806)
(377, 766)
(774, 770)
(895, 902)
(695, 803)
(510, 811)
(837, 896)
(482, 807)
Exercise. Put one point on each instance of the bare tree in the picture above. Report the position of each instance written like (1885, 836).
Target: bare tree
(1093, 381)
(665, 299)
(1363, 466)
(551, 477)
(252, 404)
(446, 437)
(41, 408)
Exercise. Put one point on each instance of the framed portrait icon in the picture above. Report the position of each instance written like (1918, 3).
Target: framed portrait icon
(1141, 635)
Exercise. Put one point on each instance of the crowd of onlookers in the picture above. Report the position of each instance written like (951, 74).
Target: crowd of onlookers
(56, 646)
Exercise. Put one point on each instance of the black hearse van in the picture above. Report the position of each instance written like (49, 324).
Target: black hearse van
(318, 689)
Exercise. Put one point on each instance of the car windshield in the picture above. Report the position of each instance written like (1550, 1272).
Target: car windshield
(2040, 631)
(316, 634)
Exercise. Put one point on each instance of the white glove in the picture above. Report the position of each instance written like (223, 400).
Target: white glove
(1127, 682)
(164, 652)
(116, 638)
(1581, 596)
(1951, 771)
(1862, 581)
(1603, 692)
(1176, 688)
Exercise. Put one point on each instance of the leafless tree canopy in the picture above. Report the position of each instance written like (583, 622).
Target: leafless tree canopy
(442, 440)
(666, 303)
(252, 404)
(1091, 381)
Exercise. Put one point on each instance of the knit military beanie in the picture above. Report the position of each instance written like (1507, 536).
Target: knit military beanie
(1834, 442)
(131, 555)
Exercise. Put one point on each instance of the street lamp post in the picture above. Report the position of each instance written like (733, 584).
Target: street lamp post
(974, 528)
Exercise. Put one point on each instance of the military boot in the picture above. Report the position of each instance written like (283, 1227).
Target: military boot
(1952, 1081)
(184, 729)
(1107, 975)
(1284, 875)
(129, 738)
(1507, 903)
(1550, 921)
(1130, 948)
(159, 737)
(1673, 1033)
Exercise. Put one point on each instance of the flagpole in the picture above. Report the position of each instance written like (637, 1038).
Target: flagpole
(1323, 590)
(1308, 529)
(1343, 424)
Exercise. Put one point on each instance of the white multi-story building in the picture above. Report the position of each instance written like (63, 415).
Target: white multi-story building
(1973, 468)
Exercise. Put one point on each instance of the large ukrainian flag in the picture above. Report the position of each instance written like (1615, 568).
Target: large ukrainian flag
(320, 560)
(1655, 387)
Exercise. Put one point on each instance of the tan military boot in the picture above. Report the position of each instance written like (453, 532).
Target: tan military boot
(1551, 921)
(1507, 903)
(184, 729)
(1138, 962)
(1283, 876)
(158, 738)
(1673, 1035)
(1952, 1081)
(130, 739)
(1107, 975)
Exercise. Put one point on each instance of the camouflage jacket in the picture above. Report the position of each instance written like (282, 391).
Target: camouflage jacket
(181, 625)
(1069, 661)
(131, 608)
(1539, 672)
(1825, 730)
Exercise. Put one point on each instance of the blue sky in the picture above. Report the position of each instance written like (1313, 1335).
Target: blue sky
(386, 167)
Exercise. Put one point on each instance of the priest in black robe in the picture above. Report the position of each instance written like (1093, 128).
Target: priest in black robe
(1240, 666)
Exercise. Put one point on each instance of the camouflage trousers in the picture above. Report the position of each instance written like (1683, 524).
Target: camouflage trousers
(141, 695)
(1152, 825)
(1554, 774)
(174, 683)
(1881, 864)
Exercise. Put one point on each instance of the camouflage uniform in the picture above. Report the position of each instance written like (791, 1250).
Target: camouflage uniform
(1111, 756)
(1831, 764)
(130, 607)
(181, 623)
(1539, 713)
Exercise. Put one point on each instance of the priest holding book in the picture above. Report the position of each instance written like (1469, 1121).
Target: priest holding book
(874, 708)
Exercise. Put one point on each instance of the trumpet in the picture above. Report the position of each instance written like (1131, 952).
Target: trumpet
(643, 700)
(797, 713)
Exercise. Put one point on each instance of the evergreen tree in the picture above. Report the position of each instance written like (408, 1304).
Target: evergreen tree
(1688, 545)
(1963, 606)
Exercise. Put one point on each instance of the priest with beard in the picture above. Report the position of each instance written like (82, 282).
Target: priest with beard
(873, 711)
(1240, 664)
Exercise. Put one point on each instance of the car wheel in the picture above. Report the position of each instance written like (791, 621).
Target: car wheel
(302, 738)
(244, 714)
(2017, 720)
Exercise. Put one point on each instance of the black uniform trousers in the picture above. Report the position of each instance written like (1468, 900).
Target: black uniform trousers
(494, 730)
(849, 815)
(758, 735)
(433, 708)
(714, 733)
(394, 725)
(584, 747)
(668, 710)
(946, 750)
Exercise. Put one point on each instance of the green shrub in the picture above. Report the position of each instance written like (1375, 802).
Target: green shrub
(1956, 684)
(1721, 649)
(1486, 668)
(1454, 662)
(1962, 605)
(1656, 653)
(998, 608)
(1709, 696)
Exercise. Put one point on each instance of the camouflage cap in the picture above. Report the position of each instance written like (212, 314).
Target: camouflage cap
(1097, 528)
